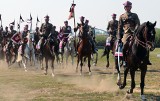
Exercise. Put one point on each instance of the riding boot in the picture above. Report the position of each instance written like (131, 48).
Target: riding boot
(93, 47)
(125, 48)
(148, 61)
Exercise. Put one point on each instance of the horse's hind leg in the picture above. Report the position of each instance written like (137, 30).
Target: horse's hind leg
(77, 63)
(107, 56)
(132, 73)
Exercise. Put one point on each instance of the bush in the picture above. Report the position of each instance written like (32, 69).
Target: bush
(101, 40)
(157, 39)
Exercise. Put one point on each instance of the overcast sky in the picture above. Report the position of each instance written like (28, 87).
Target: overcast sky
(98, 12)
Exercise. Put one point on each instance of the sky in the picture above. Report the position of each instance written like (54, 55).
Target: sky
(98, 12)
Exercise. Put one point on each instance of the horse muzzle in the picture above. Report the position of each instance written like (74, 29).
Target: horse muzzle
(151, 45)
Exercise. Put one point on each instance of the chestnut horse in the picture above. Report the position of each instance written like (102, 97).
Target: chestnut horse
(137, 54)
(84, 49)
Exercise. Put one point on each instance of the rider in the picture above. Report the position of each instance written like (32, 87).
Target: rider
(66, 31)
(128, 24)
(54, 37)
(91, 36)
(46, 30)
(84, 24)
(24, 42)
(25, 31)
(112, 27)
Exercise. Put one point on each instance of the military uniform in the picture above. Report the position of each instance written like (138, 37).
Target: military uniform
(128, 22)
(112, 27)
(46, 29)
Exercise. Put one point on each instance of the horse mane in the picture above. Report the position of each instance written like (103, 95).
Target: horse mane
(140, 28)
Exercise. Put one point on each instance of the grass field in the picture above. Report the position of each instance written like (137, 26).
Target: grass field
(67, 85)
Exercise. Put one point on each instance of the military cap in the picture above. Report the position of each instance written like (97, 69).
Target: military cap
(46, 16)
(11, 25)
(73, 4)
(87, 21)
(66, 21)
(113, 15)
(82, 17)
(127, 3)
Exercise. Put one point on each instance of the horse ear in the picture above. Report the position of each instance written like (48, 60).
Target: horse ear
(147, 23)
(155, 23)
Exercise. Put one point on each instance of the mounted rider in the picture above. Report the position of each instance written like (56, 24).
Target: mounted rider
(87, 28)
(128, 24)
(46, 31)
(112, 27)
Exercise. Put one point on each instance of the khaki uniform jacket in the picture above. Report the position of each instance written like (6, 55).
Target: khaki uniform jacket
(112, 27)
(127, 24)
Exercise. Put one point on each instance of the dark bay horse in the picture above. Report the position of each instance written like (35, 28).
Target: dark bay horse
(47, 54)
(137, 57)
(110, 41)
(84, 49)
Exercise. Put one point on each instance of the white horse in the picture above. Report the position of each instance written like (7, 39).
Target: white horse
(29, 52)
(69, 49)
(31, 49)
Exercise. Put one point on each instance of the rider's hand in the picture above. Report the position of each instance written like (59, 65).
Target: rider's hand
(119, 40)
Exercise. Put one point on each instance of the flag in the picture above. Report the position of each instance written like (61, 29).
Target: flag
(0, 17)
(21, 19)
(16, 38)
(12, 23)
(18, 25)
(30, 17)
(37, 19)
(71, 15)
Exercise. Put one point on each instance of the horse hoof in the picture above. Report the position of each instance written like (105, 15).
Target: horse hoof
(90, 73)
(107, 66)
(25, 70)
(45, 73)
(94, 64)
(53, 75)
(130, 91)
(42, 68)
(121, 86)
(143, 98)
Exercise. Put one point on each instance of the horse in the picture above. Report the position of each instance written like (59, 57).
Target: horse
(47, 54)
(111, 42)
(69, 49)
(137, 54)
(84, 49)
(31, 48)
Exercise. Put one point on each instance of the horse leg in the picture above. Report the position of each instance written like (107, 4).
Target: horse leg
(119, 73)
(72, 57)
(77, 63)
(132, 73)
(142, 84)
(96, 59)
(52, 66)
(46, 69)
(81, 64)
(24, 64)
(89, 65)
(125, 77)
(107, 56)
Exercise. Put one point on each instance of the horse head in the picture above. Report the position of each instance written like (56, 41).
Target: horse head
(147, 35)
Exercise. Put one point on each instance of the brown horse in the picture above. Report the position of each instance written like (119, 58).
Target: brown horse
(137, 54)
(47, 54)
(84, 49)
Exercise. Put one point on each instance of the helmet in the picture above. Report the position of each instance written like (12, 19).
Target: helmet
(127, 3)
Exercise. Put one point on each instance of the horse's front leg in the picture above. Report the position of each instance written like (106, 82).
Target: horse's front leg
(143, 74)
(52, 65)
(118, 70)
(77, 63)
(46, 69)
(81, 64)
(89, 65)
(132, 73)
(125, 77)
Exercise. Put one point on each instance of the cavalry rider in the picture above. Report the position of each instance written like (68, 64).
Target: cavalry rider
(36, 36)
(112, 27)
(46, 31)
(66, 29)
(54, 37)
(85, 24)
(128, 24)
(25, 31)
(24, 42)
(91, 36)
